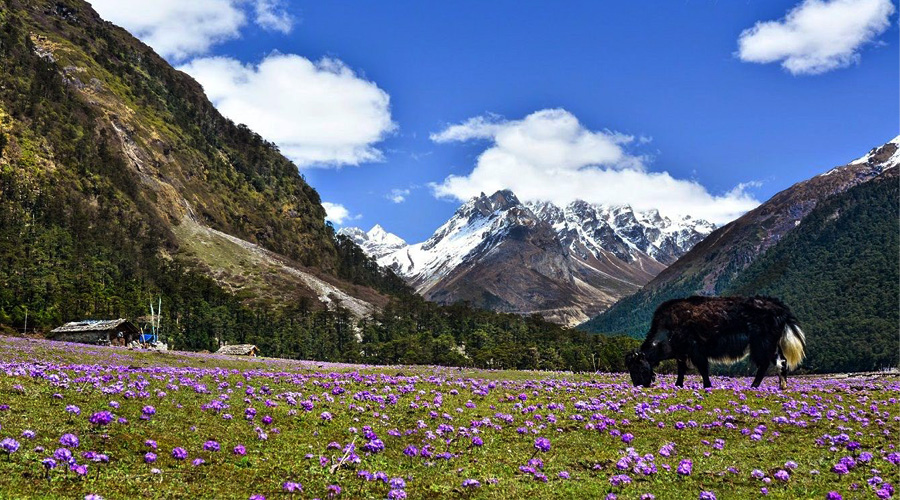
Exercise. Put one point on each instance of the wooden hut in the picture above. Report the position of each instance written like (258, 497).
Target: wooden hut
(239, 350)
(119, 332)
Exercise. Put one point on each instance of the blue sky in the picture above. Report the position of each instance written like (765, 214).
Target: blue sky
(627, 90)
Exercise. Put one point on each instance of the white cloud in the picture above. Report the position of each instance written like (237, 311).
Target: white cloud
(271, 15)
(817, 36)
(179, 29)
(319, 113)
(398, 195)
(550, 156)
(337, 213)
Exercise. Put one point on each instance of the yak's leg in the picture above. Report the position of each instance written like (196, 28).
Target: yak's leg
(682, 368)
(760, 374)
(781, 366)
(702, 365)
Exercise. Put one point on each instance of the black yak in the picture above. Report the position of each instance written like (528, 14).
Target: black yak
(700, 330)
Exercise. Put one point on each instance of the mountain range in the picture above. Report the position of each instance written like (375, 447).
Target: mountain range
(827, 245)
(565, 263)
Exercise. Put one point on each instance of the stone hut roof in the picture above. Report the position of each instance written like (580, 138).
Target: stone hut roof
(96, 325)
(239, 350)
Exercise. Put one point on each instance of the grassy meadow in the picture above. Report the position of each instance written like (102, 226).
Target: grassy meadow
(81, 421)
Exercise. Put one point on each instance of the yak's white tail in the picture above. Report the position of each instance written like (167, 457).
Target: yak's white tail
(792, 344)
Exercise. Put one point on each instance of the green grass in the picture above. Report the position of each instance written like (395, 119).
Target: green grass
(92, 377)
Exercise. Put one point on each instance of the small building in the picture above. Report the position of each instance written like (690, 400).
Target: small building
(239, 350)
(120, 332)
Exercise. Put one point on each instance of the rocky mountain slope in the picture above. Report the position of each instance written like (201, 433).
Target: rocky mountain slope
(565, 263)
(714, 264)
(115, 169)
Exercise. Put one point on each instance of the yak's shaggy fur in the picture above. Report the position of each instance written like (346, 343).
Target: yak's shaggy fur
(725, 330)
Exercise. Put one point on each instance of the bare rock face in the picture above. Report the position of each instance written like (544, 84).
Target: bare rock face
(565, 263)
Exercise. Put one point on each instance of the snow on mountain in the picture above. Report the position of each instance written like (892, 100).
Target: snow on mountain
(592, 246)
(376, 242)
(594, 228)
(473, 226)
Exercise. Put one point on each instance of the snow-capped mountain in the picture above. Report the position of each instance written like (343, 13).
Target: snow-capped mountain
(376, 242)
(563, 262)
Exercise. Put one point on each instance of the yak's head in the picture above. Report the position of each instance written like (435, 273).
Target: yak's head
(639, 368)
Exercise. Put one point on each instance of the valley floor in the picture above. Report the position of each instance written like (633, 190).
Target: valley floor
(79, 420)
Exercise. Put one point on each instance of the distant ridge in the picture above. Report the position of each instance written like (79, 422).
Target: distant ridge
(565, 263)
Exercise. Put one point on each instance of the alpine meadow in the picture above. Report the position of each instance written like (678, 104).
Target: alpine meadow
(265, 249)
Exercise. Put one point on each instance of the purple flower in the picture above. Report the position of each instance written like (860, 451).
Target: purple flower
(758, 474)
(101, 418)
(92, 496)
(69, 440)
(396, 495)
(477, 441)
(563, 475)
(707, 495)
(149, 457)
(28, 434)
(198, 461)
(257, 497)
(179, 453)
(411, 451)
(63, 455)
(73, 409)
(627, 437)
(148, 411)
(211, 446)
(685, 467)
(619, 479)
(239, 450)
(782, 475)
(333, 490)
(9, 445)
(542, 444)
(397, 483)
(374, 446)
(471, 483)
(833, 495)
(840, 468)
(325, 416)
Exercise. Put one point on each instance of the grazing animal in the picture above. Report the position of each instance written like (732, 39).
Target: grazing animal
(723, 330)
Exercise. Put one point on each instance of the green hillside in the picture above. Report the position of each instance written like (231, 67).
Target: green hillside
(840, 273)
(120, 183)
(837, 270)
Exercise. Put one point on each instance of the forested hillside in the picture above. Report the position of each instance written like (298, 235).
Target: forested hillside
(837, 270)
(840, 272)
(120, 183)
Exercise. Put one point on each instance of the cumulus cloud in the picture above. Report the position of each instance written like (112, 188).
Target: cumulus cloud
(550, 156)
(271, 15)
(817, 36)
(320, 114)
(398, 195)
(178, 29)
(337, 213)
